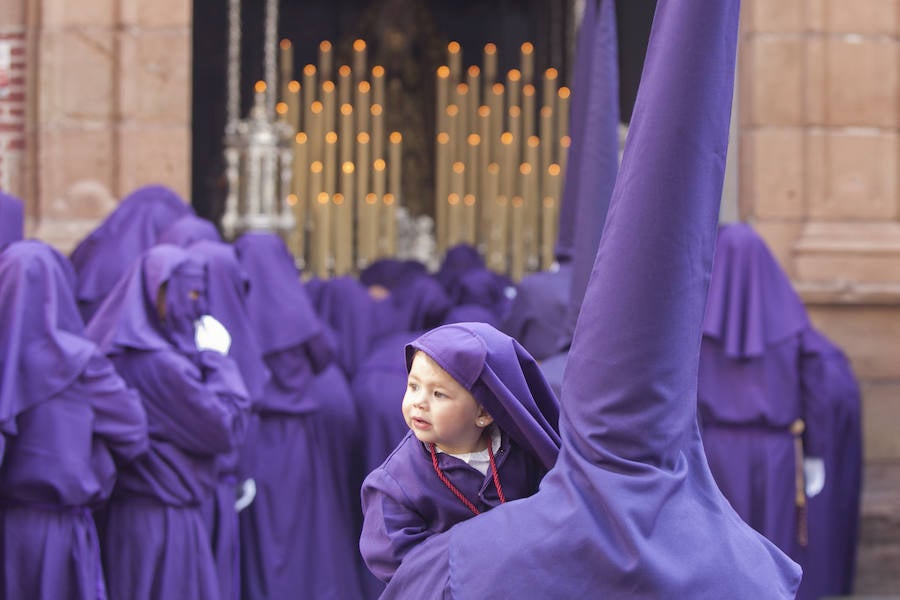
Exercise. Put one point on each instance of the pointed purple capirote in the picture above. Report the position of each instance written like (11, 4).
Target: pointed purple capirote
(297, 538)
(187, 230)
(630, 508)
(155, 542)
(12, 219)
(67, 421)
(404, 500)
(108, 252)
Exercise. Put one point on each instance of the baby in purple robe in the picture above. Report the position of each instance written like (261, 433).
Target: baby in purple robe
(483, 431)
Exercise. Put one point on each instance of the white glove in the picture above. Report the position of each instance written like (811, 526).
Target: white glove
(209, 334)
(248, 493)
(814, 475)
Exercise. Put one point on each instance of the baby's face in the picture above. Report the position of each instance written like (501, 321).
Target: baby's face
(441, 411)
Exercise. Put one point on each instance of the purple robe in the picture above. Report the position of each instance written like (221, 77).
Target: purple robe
(109, 251)
(12, 219)
(297, 538)
(227, 291)
(187, 230)
(458, 260)
(67, 420)
(156, 544)
(630, 508)
(405, 502)
(391, 272)
(346, 308)
(537, 314)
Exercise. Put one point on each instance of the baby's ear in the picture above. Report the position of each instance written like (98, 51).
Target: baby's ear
(483, 419)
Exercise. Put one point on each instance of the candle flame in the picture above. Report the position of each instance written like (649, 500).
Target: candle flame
(344, 71)
(379, 164)
(396, 138)
(525, 169)
(469, 199)
(506, 138)
(527, 48)
(534, 141)
(453, 199)
(316, 107)
(281, 108)
(515, 112)
(324, 46)
(347, 167)
(452, 110)
(528, 90)
(546, 112)
(453, 47)
(554, 170)
(462, 89)
(377, 71)
(565, 141)
(300, 138)
(388, 198)
(459, 167)
(338, 199)
(316, 166)
(322, 198)
(493, 168)
(490, 48)
(371, 198)
(375, 109)
(564, 93)
(514, 75)
(551, 73)
(359, 45)
(474, 139)
(517, 201)
(346, 109)
(309, 70)
(484, 111)
(285, 44)
(364, 87)
(260, 87)
(331, 138)
(291, 199)
(293, 86)
(501, 200)
(474, 71)
(443, 138)
(497, 89)
(328, 87)
(549, 202)
(443, 72)
(362, 137)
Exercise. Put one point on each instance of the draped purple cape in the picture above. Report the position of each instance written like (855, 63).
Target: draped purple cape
(156, 544)
(12, 219)
(189, 229)
(630, 509)
(297, 538)
(67, 420)
(108, 252)
(761, 368)
(404, 501)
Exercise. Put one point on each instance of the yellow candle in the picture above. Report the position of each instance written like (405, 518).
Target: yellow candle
(378, 85)
(501, 223)
(454, 219)
(443, 97)
(363, 159)
(513, 88)
(342, 247)
(322, 233)
(329, 106)
(489, 62)
(454, 61)
(527, 62)
(515, 128)
(345, 85)
(484, 132)
(379, 175)
(330, 162)
(347, 171)
(547, 145)
(553, 182)
(507, 165)
(562, 159)
(377, 115)
(529, 209)
(309, 86)
(315, 179)
(528, 111)
(548, 231)
(390, 224)
(550, 84)
(259, 98)
(299, 191)
(359, 61)
(469, 218)
(562, 125)
(472, 162)
(379, 171)
(369, 225)
(293, 104)
(395, 162)
(346, 133)
(326, 59)
(462, 123)
(363, 104)
(315, 130)
(517, 246)
(441, 189)
(490, 223)
(287, 65)
(473, 82)
(281, 110)
(496, 102)
(458, 179)
(455, 145)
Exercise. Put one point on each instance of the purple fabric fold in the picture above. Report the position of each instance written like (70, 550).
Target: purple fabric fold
(187, 230)
(12, 219)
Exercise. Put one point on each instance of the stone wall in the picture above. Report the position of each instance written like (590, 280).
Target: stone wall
(12, 100)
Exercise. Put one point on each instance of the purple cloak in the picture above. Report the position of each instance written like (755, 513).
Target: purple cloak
(187, 230)
(537, 314)
(108, 252)
(12, 219)
(156, 544)
(630, 509)
(297, 538)
(391, 272)
(404, 501)
(67, 420)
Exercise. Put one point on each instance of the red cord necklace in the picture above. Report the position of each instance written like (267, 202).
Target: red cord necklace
(455, 490)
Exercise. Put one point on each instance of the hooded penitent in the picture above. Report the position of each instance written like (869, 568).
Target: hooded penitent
(302, 449)
(187, 230)
(108, 252)
(630, 509)
(66, 419)
(156, 545)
